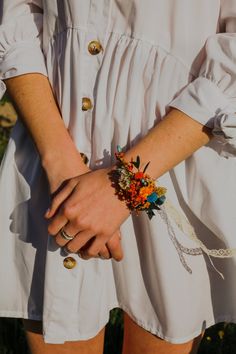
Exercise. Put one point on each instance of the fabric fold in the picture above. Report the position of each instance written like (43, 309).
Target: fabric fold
(225, 129)
(2, 89)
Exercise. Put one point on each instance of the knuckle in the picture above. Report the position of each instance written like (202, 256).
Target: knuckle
(67, 211)
(103, 236)
(77, 222)
(83, 223)
(59, 241)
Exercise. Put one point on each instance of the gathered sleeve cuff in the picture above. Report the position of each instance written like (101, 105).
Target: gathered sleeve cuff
(21, 43)
(211, 97)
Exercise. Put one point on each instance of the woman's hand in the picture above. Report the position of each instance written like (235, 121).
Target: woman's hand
(59, 173)
(90, 211)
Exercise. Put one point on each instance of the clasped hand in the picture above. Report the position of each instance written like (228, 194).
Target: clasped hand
(88, 209)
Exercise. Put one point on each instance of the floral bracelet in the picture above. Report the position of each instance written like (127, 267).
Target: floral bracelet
(135, 187)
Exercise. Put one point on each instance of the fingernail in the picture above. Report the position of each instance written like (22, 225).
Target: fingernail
(47, 212)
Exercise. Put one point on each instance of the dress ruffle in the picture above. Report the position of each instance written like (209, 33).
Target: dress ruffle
(21, 46)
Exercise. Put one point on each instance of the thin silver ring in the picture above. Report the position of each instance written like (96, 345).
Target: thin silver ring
(65, 235)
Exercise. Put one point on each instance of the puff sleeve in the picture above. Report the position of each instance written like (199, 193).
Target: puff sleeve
(21, 27)
(211, 97)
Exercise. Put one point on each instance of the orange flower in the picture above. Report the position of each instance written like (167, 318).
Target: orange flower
(145, 191)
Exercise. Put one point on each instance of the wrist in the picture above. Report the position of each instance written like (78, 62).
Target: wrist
(61, 165)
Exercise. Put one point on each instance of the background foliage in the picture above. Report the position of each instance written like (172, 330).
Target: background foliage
(219, 339)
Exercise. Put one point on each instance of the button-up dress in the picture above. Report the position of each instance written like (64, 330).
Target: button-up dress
(116, 68)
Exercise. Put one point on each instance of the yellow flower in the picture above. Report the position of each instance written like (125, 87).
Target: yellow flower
(221, 334)
(161, 191)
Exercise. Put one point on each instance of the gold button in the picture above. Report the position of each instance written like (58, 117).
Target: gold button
(86, 104)
(94, 47)
(84, 158)
(69, 262)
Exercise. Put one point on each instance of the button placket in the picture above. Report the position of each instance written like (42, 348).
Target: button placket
(94, 40)
(57, 282)
(64, 271)
(98, 21)
(94, 48)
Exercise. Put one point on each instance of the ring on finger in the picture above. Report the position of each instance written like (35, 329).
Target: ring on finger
(65, 235)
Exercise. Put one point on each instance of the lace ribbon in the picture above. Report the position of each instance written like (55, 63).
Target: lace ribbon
(168, 210)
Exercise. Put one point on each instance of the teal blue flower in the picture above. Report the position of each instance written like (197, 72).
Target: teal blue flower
(152, 198)
(144, 183)
(161, 200)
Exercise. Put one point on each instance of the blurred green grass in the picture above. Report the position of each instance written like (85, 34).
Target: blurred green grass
(218, 339)
(4, 131)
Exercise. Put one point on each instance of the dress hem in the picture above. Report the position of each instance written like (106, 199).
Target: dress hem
(180, 340)
(149, 328)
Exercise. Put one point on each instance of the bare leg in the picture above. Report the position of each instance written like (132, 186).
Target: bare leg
(139, 341)
(37, 345)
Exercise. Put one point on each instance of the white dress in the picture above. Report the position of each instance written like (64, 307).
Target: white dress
(155, 54)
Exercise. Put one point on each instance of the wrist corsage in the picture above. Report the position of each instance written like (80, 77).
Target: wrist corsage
(136, 187)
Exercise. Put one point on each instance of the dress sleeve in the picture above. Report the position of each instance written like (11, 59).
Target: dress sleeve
(21, 27)
(211, 97)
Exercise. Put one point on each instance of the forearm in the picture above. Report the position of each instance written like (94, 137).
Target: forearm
(170, 142)
(33, 98)
(34, 101)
